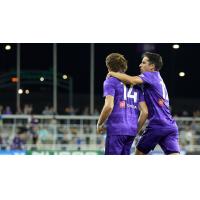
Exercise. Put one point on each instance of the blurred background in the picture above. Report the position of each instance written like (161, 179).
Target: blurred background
(51, 94)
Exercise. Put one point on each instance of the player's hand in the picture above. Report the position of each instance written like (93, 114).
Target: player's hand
(101, 128)
(109, 74)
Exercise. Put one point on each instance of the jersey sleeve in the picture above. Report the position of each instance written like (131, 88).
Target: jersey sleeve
(148, 77)
(108, 88)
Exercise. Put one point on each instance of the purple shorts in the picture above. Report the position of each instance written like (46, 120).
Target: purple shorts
(166, 138)
(119, 144)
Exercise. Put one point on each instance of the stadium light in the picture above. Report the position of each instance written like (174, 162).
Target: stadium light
(7, 47)
(181, 74)
(41, 79)
(27, 91)
(20, 91)
(14, 79)
(176, 46)
(64, 76)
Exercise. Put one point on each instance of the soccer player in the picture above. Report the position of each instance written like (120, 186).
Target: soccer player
(162, 128)
(121, 110)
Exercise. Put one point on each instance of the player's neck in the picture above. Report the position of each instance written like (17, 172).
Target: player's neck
(153, 70)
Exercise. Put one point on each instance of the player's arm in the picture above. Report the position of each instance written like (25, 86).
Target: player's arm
(134, 80)
(107, 109)
(143, 115)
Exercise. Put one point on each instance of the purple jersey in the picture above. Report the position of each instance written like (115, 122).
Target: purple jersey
(124, 117)
(157, 100)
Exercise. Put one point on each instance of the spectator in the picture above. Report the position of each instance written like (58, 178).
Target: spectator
(46, 111)
(20, 139)
(196, 113)
(51, 111)
(86, 111)
(64, 141)
(67, 111)
(96, 112)
(28, 109)
(7, 111)
(71, 111)
(33, 128)
(185, 113)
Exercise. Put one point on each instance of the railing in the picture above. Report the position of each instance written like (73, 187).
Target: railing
(189, 131)
(78, 133)
(54, 133)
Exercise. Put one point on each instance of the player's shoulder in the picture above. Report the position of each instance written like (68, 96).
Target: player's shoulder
(151, 75)
(112, 80)
(155, 74)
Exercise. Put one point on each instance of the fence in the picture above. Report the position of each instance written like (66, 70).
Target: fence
(76, 134)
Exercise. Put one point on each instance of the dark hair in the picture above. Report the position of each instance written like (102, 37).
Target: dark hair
(116, 62)
(155, 59)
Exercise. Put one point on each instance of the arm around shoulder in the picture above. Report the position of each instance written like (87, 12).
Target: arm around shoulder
(126, 78)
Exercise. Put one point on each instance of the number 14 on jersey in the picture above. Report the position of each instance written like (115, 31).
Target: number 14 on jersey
(129, 94)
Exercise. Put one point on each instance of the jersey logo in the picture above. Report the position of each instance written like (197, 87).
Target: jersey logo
(122, 104)
(161, 102)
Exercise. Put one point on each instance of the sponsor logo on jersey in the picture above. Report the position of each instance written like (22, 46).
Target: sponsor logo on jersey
(131, 106)
(122, 104)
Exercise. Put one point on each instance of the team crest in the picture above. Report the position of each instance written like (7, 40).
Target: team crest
(161, 102)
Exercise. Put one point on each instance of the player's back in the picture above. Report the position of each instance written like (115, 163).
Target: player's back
(157, 100)
(124, 117)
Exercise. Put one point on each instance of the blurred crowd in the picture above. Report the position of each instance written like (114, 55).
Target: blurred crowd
(36, 135)
(188, 113)
(48, 110)
(28, 109)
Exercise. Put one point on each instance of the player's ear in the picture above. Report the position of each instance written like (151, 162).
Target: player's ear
(152, 67)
